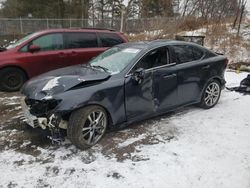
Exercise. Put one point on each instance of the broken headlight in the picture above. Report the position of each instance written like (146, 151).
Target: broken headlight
(41, 108)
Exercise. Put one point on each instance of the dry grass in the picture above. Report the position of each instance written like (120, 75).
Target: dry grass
(219, 36)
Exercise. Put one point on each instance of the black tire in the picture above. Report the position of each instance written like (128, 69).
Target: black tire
(12, 79)
(210, 99)
(80, 120)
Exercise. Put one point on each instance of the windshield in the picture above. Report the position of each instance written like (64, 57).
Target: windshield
(115, 59)
(17, 43)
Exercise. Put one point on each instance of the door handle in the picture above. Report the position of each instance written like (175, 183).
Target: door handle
(206, 67)
(169, 76)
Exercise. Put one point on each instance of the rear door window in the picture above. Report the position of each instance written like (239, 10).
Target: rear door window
(110, 39)
(197, 52)
(81, 40)
(186, 53)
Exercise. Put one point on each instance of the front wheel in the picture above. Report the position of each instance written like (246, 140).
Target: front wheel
(211, 94)
(87, 126)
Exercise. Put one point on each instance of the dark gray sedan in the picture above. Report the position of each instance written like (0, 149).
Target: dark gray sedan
(125, 84)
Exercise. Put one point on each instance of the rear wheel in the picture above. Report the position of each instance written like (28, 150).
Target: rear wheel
(12, 79)
(211, 94)
(87, 126)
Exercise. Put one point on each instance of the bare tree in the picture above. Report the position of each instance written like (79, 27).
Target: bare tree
(209, 9)
(243, 6)
(185, 7)
(237, 14)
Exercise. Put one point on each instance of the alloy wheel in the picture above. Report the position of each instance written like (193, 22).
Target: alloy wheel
(212, 94)
(94, 127)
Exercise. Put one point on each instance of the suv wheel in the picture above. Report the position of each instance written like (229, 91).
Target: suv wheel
(87, 126)
(211, 94)
(12, 79)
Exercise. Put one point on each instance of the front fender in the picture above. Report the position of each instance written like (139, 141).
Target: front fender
(109, 95)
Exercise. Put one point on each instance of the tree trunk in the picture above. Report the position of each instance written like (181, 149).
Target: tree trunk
(237, 15)
(241, 15)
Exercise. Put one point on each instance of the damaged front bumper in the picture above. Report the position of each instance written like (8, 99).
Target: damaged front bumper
(42, 122)
(30, 119)
(54, 122)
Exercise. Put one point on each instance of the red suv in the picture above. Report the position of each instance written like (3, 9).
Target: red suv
(46, 50)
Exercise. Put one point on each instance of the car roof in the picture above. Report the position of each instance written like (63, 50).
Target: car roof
(78, 30)
(155, 44)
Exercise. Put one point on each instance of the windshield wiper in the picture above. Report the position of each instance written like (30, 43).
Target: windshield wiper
(100, 67)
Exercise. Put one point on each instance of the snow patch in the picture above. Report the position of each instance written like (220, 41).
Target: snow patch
(131, 141)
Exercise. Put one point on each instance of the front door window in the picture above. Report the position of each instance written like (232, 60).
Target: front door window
(48, 42)
(156, 58)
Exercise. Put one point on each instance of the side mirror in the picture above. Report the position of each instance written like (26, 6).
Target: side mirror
(34, 48)
(138, 75)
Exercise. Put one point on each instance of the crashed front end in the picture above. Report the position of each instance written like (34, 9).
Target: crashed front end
(40, 113)
(45, 94)
(39, 105)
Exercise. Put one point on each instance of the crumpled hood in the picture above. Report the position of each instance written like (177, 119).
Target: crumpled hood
(61, 80)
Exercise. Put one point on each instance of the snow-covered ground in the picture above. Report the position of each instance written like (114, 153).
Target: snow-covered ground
(189, 148)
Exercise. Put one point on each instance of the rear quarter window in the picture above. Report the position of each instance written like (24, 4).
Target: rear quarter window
(110, 39)
(81, 40)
